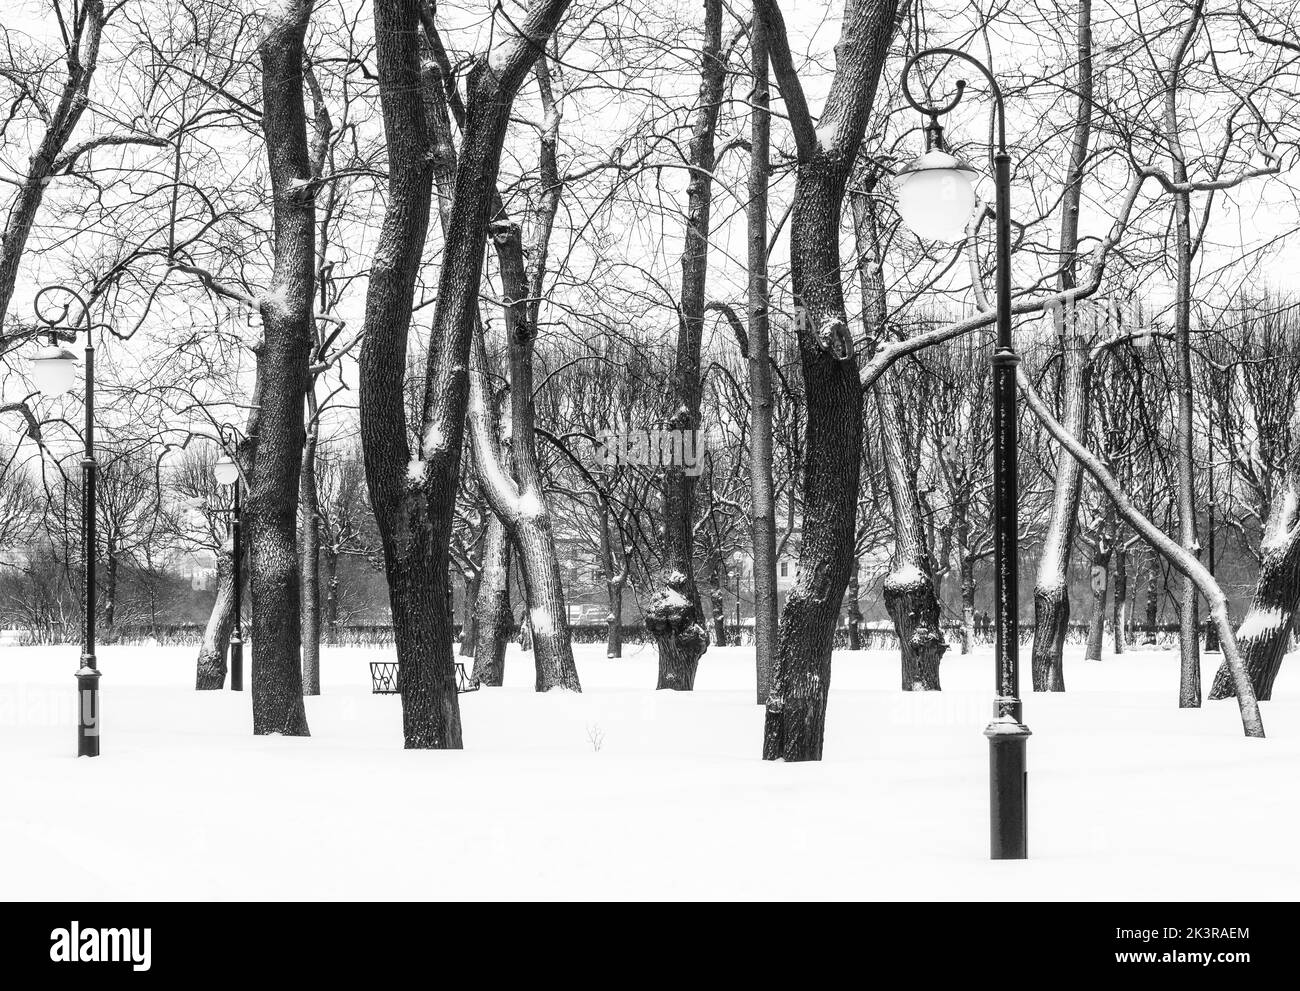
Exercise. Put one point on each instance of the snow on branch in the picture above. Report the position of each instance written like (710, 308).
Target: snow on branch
(1181, 559)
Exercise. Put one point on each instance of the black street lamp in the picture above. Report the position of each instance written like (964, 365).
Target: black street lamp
(54, 372)
(936, 200)
(226, 472)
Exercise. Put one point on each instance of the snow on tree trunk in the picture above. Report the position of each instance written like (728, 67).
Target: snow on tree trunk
(795, 717)
(1265, 633)
(614, 635)
(276, 434)
(493, 618)
(211, 668)
(717, 603)
(911, 592)
(1189, 645)
(1051, 587)
(910, 595)
(675, 615)
(549, 621)
(1179, 557)
(331, 590)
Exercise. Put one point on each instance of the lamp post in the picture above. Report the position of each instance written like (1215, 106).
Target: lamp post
(54, 372)
(226, 472)
(936, 199)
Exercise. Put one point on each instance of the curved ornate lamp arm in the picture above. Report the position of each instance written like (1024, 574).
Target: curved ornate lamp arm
(231, 435)
(937, 111)
(54, 315)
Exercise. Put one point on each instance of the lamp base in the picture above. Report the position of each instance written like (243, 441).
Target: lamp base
(1008, 789)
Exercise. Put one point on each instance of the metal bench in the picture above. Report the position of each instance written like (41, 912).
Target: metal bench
(383, 678)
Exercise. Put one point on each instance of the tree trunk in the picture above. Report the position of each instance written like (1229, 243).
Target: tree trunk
(1265, 633)
(331, 618)
(1097, 617)
(855, 610)
(310, 555)
(276, 435)
(520, 501)
(1153, 602)
(468, 626)
(967, 565)
(763, 499)
(493, 617)
(717, 602)
(1120, 616)
(415, 497)
(614, 637)
(110, 584)
(1051, 587)
(81, 57)
(911, 593)
(400, 488)
(909, 590)
(211, 668)
(795, 717)
(1179, 557)
(674, 615)
(1189, 682)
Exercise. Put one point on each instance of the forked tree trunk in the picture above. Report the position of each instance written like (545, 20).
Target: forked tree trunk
(48, 159)
(520, 501)
(414, 498)
(276, 436)
(674, 615)
(493, 617)
(795, 717)
(1265, 634)
(211, 668)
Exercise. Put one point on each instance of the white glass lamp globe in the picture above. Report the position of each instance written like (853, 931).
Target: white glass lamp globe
(936, 196)
(54, 370)
(225, 471)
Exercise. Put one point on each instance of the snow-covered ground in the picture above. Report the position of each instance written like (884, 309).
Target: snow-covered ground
(1130, 798)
